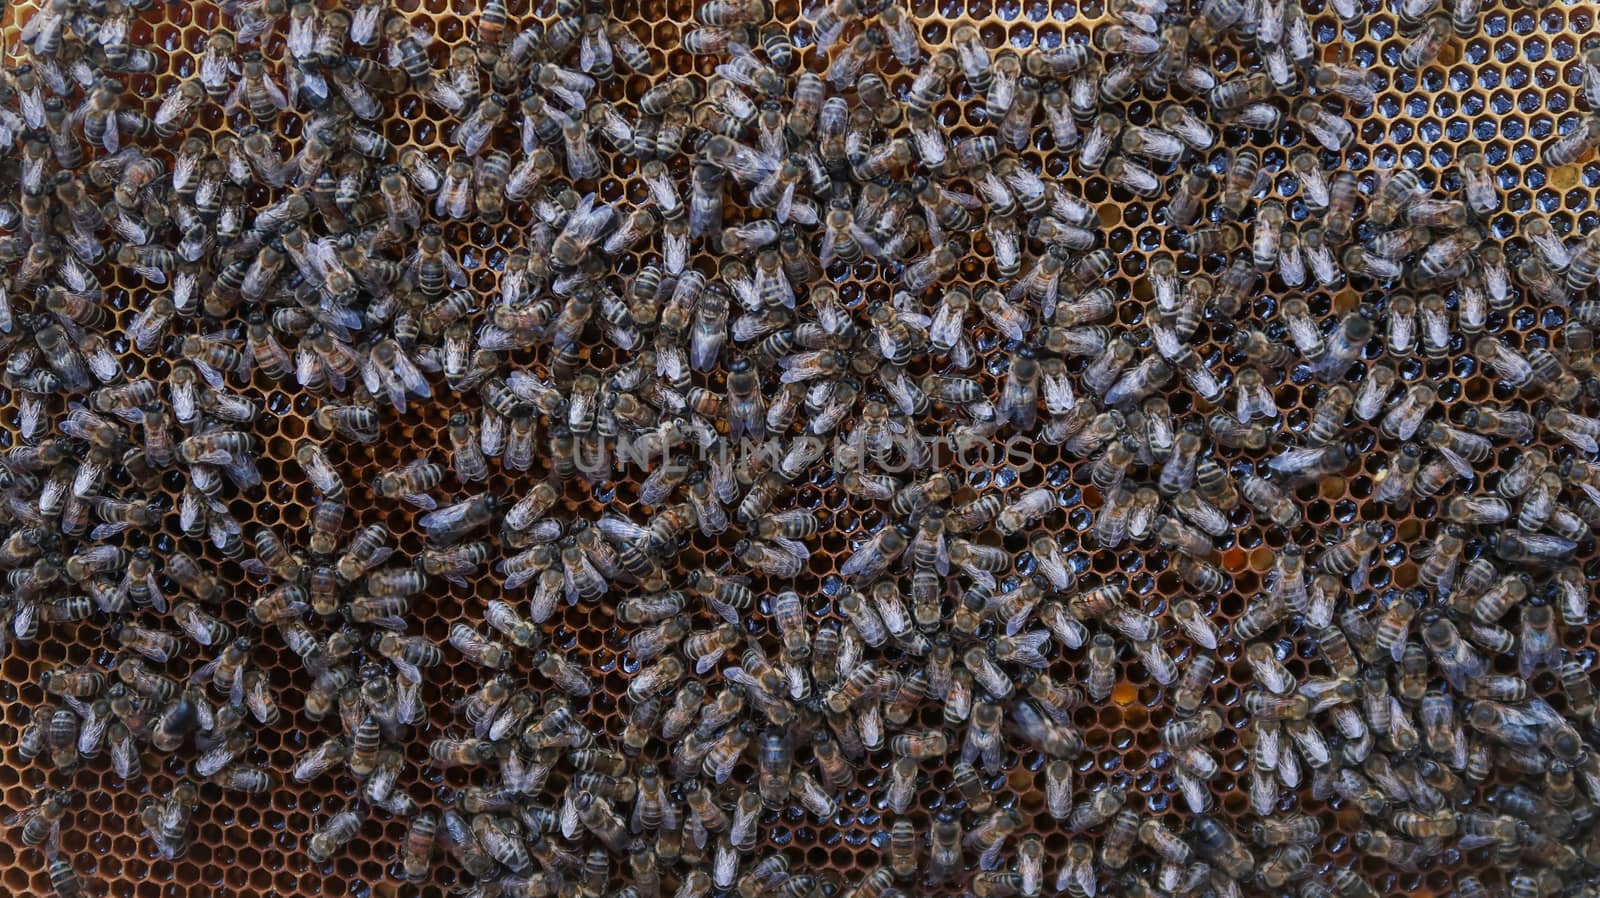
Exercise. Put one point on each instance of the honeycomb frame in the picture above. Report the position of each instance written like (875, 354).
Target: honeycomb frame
(246, 845)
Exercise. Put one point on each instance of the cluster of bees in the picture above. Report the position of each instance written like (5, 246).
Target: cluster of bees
(813, 278)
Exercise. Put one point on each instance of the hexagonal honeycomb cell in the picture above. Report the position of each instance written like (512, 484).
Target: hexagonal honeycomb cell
(1514, 83)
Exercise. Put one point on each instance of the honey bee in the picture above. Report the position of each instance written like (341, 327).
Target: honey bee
(168, 819)
(1426, 45)
(41, 822)
(199, 625)
(449, 524)
(1101, 657)
(64, 878)
(564, 673)
(476, 648)
(333, 835)
(408, 653)
(421, 834)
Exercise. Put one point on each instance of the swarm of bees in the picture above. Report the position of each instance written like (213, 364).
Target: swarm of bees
(775, 265)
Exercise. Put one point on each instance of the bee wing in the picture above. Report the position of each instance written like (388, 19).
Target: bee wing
(594, 51)
(500, 615)
(705, 344)
(1582, 440)
(461, 202)
(866, 556)
(1200, 630)
(795, 548)
(113, 31)
(867, 241)
(961, 198)
(79, 423)
(308, 82)
(406, 670)
(306, 365)
(158, 599)
(379, 556)
(1358, 577)
(104, 531)
(1167, 342)
(1018, 620)
(706, 663)
(32, 105)
(335, 379)
(324, 257)
(214, 457)
(1011, 325)
(410, 376)
(1047, 303)
(515, 580)
(446, 95)
(452, 269)
(236, 96)
(338, 318)
(214, 70)
(422, 501)
(726, 612)
(364, 22)
(1461, 465)
(1590, 490)
(212, 376)
(980, 576)
(569, 586)
(112, 136)
(1055, 570)
(584, 225)
(935, 230)
(444, 517)
(786, 202)
(584, 208)
(219, 530)
(946, 326)
(1292, 461)
(1031, 645)
(825, 252)
(620, 529)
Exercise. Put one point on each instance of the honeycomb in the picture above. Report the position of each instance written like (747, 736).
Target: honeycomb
(1513, 88)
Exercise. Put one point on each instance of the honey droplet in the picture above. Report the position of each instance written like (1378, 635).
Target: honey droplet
(1234, 560)
(1124, 693)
